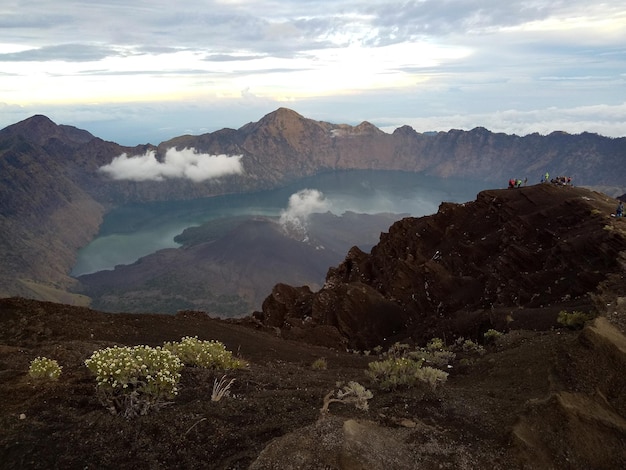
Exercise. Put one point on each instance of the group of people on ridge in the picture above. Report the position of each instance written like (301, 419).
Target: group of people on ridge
(517, 183)
(560, 180)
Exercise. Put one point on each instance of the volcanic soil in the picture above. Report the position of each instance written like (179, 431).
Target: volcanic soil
(517, 406)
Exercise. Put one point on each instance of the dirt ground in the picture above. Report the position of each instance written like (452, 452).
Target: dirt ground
(481, 417)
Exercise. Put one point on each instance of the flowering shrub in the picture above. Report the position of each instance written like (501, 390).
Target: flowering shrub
(44, 368)
(207, 354)
(393, 373)
(132, 380)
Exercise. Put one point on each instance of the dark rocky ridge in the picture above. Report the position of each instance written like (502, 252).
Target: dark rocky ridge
(512, 258)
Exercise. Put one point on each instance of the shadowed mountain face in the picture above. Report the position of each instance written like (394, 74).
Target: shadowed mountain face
(230, 274)
(53, 196)
(512, 258)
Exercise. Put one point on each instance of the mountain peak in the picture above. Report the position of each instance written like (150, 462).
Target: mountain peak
(282, 116)
(40, 129)
(367, 128)
(284, 122)
(37, 122)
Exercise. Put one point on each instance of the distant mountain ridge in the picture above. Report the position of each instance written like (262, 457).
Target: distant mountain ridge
(52, 196)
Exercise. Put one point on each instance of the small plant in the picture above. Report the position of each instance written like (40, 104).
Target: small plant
(398, 350)
(207, 354)
(435, 344)
(469, 346)
(433, 377)
(439, 359)
(394, 373)
(319, 364)
(133, 380)
(492, 335)
(221, 388)
(42, 368)
(354, 393)
(574, 320)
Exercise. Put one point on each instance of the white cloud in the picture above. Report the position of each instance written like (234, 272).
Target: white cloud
(606, 120)
(186, 163)
(342, 62)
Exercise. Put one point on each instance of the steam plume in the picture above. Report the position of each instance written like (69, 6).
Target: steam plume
(186, 163)
(302, 204)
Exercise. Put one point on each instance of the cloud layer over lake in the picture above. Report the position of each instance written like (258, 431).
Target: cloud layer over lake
(186, 163)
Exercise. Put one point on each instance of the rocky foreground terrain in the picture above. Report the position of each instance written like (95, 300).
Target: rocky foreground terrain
(540, 396)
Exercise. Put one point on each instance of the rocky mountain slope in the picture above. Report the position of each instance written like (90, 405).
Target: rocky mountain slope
(229, 274)
(540, 396)
(53, 196)
(511, 257)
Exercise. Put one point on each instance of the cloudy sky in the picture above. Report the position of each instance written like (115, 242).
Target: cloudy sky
(143, 71)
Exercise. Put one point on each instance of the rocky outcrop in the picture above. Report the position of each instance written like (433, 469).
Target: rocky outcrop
(509, 259)
(590, 419)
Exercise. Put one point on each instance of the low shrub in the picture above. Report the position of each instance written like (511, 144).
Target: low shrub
(133, 380)
(469, 346)
(319, 364)
(206, 354)
(435, 344)
(492, 335)
(574, 320)
(394, 373)
(440, 359)
(398, 350)
(42, 368)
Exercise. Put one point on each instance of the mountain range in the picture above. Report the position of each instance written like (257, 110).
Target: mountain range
(53, 194)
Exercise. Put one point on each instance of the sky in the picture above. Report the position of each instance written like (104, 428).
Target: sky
(134, 71)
